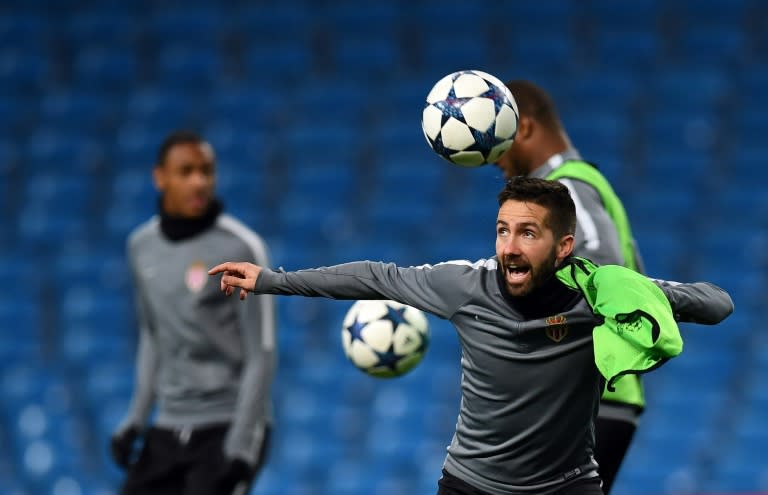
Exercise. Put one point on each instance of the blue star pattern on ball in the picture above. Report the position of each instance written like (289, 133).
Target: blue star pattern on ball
(355, 330)
(396, 316)
(390, 359)
(470, 118)
(384, 338)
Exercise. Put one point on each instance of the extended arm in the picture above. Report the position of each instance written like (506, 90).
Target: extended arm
(699, 302)
(438, 289)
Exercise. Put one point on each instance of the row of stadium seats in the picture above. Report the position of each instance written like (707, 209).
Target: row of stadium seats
(313, 108)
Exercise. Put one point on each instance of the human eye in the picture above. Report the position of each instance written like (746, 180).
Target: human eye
(185, 170)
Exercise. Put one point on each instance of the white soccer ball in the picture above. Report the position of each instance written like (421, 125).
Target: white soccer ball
(384, 338)
(470, 118)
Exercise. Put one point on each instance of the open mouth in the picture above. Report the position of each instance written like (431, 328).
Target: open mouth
(197, 201)
(517, 273)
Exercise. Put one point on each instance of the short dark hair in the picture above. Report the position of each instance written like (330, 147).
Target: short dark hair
(535, 103)
(174, 138)
(548, 194)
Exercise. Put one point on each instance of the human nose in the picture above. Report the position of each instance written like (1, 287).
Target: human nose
(510, 246)
(200, 179)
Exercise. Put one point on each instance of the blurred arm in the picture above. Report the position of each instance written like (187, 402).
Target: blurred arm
(698, 302)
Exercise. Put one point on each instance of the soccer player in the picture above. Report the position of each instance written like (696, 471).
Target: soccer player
(537, 329)
(543, 149)
(207, 364)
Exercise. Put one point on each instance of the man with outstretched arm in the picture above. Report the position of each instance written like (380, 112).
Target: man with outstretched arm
(541, 333)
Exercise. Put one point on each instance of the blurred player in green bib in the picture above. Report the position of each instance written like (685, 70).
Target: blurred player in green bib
(543, 149)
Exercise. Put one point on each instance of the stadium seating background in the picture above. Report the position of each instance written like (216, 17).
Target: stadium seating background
(314, 109)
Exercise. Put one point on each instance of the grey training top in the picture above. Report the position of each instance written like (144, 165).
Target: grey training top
(530, 387)
(203, 358)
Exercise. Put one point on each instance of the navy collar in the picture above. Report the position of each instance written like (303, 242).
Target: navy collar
(177, 228)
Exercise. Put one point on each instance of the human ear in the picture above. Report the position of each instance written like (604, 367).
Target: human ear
(565, 247)
(525, 127)
(158, 178)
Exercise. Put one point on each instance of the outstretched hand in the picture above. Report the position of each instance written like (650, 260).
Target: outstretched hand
(237, 275)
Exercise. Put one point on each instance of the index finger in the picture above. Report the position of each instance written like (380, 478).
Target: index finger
(223, 267)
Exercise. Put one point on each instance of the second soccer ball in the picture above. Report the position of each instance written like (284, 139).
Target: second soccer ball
(470, 118)
(384, 338)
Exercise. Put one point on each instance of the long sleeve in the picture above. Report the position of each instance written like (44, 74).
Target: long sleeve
(257, 321)
(143, 396)
(438, 289)
(640, 332)
(699, 302)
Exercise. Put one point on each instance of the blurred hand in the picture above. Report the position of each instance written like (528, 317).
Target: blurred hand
(235, 471)
(121, 446)
(237, 275)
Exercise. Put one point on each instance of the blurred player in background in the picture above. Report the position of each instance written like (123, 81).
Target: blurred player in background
(207, 363)
(543, 149)
(531, 336)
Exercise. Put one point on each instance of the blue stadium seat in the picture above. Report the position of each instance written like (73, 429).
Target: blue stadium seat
(58, 194)
(14, 118)
(678, 165)
(275, 24)
(103, 26)
(601, 137)
(687, 135)
(108, 380)
(21, 328)
(670, 208)
(38, 227)
(689, 88)
(712, 13)
(278, 63)
(35, 28)
(94, 113)
(369, 58)
(79, 345)
(134, 201)
(194, 67)
(443, 52)
(738, 466)
(558, 20)
(160, 110)
(607, 90)
(641, 15)
(137, 140)
(722, 44)
(201, 25)
(100, 68)
(61, 154)
(239, 110)
(336, 102)
(93, 306)
(627, 50)
(674, 115)
(743, 162)
(436, 16)
(24, 70)
(333, 141)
